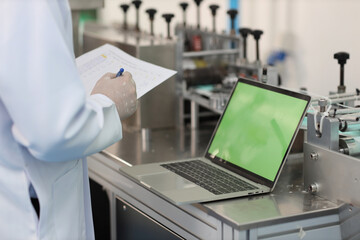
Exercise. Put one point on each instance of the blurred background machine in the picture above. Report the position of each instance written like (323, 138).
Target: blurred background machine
(332, 149)
(209, 63)
(157, 108)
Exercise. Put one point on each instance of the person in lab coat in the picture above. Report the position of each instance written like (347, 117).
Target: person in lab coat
(48, 124)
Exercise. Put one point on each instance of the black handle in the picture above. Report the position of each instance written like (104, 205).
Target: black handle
(151, 12)
(137, 3)
(198, 2)
(213, 9)
(198, 12)
(244, 32)
(257, 34)
(168, 17)
(124, 7)
(342, 57)
(232, 13)
(184, 6)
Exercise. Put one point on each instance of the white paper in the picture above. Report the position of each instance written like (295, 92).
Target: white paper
(107, 58)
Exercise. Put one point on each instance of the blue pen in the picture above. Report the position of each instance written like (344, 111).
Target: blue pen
(120, 72)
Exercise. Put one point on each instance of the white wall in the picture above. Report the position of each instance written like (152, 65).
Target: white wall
(310, 30)
(112, 13)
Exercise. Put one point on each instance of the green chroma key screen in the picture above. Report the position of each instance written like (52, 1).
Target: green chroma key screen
(256, 129)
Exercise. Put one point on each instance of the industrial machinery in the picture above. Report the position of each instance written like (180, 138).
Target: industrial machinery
(332, 149)
(145, 46)
(209, 63)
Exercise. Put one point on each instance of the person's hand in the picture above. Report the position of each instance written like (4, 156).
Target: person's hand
(121, 90)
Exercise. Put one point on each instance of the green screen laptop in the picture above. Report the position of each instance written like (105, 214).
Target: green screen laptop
(245, 154)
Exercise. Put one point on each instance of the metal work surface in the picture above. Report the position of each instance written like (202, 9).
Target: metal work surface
(288, 202)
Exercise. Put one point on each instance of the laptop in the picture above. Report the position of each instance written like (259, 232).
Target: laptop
(245, 154)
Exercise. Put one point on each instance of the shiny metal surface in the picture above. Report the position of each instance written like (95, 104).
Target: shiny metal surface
(158, 145)
(337, 175)
(288, 201)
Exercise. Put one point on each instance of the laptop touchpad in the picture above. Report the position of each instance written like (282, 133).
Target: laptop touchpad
(166, 181)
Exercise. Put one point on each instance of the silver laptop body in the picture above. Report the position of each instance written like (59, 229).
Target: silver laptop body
(251, 142)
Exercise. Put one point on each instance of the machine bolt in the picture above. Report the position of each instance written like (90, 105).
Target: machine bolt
(341, 57)
(151, 12)
(213, 9)
(313, 188)
(184, 6)
(168, 17)
(257, 34)
(137, 4)
(125, 7)
(314, 156)
(232, 14)
(244, 32)
(198, 2)
(322, 103)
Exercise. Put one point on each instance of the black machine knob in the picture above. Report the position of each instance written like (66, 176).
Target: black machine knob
(137, 4)
(232, 13)
(184, 6)
(257, 34)
(151, 12)
(244, 32)
(198, 2)
(213, 9)
(124, 7)
(168, 17)
(342, 57)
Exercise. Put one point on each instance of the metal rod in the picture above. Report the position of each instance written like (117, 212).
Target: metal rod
(342, 75)
(137, 20)
(210, 52)
(214, 25)
(151, 28)
(334, 96)
(168, 30)
(198, 17)
(184, 17)
(345, 111)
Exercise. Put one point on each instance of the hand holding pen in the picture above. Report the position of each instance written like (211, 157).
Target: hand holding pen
(121, 89)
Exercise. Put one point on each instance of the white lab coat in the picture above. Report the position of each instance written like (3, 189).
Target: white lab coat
(46, 124)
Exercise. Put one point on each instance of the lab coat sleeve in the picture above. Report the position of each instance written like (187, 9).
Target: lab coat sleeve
(41, 88)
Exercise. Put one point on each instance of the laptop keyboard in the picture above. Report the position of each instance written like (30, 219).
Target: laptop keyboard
(209, 177)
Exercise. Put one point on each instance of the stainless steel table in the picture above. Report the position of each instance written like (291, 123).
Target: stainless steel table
(287, 213)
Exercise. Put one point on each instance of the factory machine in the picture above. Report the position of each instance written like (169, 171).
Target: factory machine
(209, 63)
(145, 46)
(332, 149)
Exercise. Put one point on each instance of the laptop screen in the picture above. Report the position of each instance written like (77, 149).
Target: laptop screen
(256, 129)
